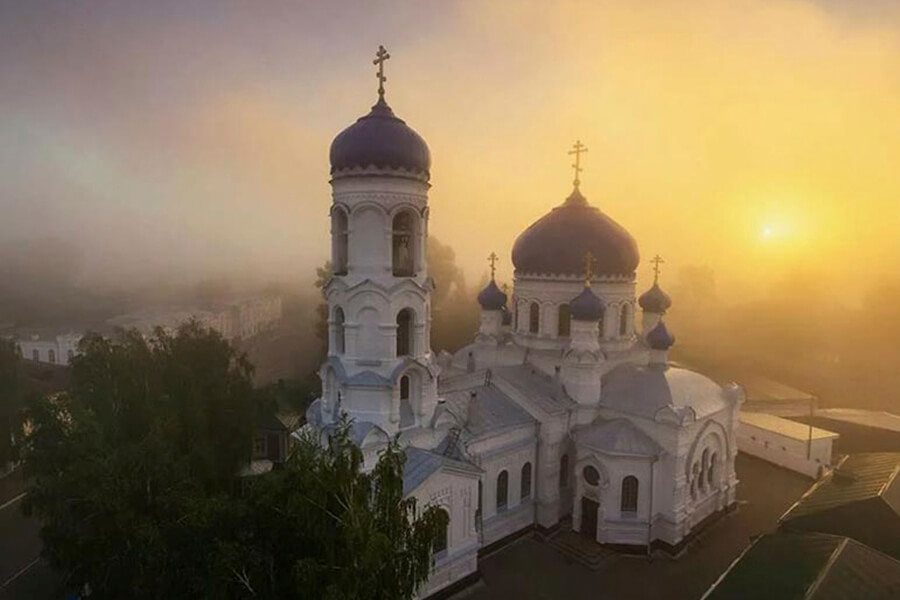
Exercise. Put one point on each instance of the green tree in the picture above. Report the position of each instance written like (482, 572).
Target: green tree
(133, 474)
(126, 467)
(10, 399)
(322, 528)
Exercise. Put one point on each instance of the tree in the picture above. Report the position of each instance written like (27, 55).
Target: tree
(322, 528)
(133, 475)
(126, 466)
(10, 399)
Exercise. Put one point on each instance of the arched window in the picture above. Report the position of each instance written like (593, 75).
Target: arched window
(564, 471)
(600, 322)
(564, 325)
(534, 318)
(525, 491)
(36, 355)
(404, 332)
(407, 418)
(502, 490)
(629, 494)
(623, 320)
(339, 336)
(51, 356)
(441, 539)
(340, 241)
(711, 475)
(704, 468)
(403, 245)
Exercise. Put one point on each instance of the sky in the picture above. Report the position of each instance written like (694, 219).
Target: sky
(141, 140)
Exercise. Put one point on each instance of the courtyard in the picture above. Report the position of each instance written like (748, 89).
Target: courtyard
(530, 569)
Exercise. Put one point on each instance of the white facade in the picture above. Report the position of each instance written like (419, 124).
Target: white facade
(54, 350)
(548, 418)
(792, 445)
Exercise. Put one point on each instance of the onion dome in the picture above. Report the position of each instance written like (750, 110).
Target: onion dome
(586, 306)
(557, 242)
(380, 140)
(655, 300)
(659, 337)
(491, 298)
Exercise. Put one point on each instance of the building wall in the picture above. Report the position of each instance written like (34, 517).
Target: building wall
(63, 347)
(785, 451)
(458, 495)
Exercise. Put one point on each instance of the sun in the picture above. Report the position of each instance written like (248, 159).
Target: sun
(768, 231)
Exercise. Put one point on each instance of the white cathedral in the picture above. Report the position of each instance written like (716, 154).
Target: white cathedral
(561, 413)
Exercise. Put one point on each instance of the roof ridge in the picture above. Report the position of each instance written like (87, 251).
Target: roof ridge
(890, 481)
(823, 573)
(812, 489)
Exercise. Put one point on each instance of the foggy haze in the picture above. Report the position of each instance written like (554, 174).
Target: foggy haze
(159, 141)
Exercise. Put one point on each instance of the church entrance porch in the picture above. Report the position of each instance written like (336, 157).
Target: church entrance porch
(589, 510)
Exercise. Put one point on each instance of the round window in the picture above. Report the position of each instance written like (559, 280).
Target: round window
(591, 476)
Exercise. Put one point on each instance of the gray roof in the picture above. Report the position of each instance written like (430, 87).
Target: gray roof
(618, 437)
(536, 387)
(488, 411)
(858, 477)
(421, 464)
(810, 566)
(644, 390)
(860, 499)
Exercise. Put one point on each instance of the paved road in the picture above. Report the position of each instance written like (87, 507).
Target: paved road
(22, 574)
(533, 570)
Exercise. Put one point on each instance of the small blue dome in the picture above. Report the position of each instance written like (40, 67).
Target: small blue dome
(380, 140)
(586, 306)
(655, 300)
(659, 337)
(491, 298)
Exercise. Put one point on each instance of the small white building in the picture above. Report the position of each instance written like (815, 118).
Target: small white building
(786, 443)
(51, 349)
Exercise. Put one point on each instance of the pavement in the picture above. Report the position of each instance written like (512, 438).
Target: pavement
(23, 574)
(534, 570)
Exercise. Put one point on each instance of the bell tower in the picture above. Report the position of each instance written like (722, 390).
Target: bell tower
(380, 367)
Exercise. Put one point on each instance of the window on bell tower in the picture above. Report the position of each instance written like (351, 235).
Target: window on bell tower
(405, 332)
(403, 245)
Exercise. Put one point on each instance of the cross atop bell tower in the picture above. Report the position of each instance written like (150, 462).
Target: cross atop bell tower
(381, 56)
(577, 149)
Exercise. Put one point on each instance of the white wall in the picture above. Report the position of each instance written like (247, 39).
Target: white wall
(785, 451)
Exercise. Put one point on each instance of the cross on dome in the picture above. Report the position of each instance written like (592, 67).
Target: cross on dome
(577, 149)
(657, 260)
(381, 56)
(588, 268)
(493, 258)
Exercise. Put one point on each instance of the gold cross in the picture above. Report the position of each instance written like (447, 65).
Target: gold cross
(577, 149)
(493, 258)
(381, 56)
(656, 262)
(588, 268)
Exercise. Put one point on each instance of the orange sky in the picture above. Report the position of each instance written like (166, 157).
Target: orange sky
(757, 137)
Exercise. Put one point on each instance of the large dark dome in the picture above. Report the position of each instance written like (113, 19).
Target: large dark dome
(382, 140)
(556, 244)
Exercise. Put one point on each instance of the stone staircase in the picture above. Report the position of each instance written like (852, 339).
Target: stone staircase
(580, 549)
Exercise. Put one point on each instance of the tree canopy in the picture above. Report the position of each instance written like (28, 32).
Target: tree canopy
(133, 474)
